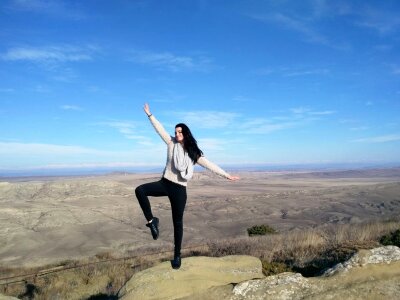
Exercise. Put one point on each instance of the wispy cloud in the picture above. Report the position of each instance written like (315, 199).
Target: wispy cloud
(229, 121)
(300, 110)
(45, 149)
(384, 22)
(242, 99)
(265, 126)
(291, 72)
(307, 72)
(395, 69)
(172, 62)
(308, 111)
(296, 24)
(380, 139)
(55, 54)
(211, 144)
(63, 166)
(208, 119)
(71, 107)
(128, 130)
(55, 8)
(6, 90)
(296, 117)
(359, 128)
(53, 156)
(322, 113)
(42, 89)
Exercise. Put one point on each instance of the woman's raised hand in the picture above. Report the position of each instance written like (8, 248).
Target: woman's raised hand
(146, 108)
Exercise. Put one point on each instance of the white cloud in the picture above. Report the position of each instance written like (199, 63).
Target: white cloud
(54, 54)
(292, 72)
(384, 22)
(171, 62)
(45, 149)
(125, 127)
(297, 117)
(359, 128)
(321, 113)
(299, 110)
(211, 144)
(380, 139)
(129, 130)
(395, 69)
(307, 72)
(208, 119)
(369, 103)
(263, 71)
(71, 107)
(19, 155)
(89, 165)
(264, 126)
(241, 99)
(294, 24)
(308, 111)
(42, 89)
(56, 8)
(6, 90)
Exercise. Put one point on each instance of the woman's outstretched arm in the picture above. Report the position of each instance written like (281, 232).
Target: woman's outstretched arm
(157, 125)
(205, 163)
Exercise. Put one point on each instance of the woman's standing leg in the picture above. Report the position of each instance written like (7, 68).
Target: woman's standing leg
(177, 197)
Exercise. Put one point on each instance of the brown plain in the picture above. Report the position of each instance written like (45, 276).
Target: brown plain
(47, 220)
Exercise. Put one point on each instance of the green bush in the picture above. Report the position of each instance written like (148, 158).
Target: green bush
(260, 230)
(273, 268)
(391, 239)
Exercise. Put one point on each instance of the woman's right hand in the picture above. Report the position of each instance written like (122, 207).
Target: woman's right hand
(147, 109)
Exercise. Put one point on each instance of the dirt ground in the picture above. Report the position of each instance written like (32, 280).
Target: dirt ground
(46, 220)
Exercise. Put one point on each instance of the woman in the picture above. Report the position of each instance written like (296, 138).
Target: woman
(182, 154)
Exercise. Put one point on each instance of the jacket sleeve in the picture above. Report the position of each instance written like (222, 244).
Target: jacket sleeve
(205, 163)
(160, 129)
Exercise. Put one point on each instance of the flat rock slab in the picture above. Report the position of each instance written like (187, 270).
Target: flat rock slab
(196, 274)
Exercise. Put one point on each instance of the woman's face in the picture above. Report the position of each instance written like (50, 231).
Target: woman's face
(178, 134)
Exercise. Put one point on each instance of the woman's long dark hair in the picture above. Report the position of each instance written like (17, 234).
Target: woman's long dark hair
(190, 143)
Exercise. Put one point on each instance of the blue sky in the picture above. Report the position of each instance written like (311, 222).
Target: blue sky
(258, 82)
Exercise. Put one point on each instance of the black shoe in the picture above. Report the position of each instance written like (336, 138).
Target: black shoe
(154, 228)
(176, 262)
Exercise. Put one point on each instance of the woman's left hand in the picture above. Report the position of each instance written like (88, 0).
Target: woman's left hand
(233, 178)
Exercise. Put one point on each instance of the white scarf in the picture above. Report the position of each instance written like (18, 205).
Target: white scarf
(182, 162)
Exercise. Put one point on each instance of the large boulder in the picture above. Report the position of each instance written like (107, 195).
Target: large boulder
(370, 274)
(196, 275)
(379, 255)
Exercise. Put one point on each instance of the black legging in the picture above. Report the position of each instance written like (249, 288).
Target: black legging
(177, 197)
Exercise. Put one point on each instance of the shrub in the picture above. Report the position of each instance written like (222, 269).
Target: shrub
(273, 268)
(260, 230)
(392, 238)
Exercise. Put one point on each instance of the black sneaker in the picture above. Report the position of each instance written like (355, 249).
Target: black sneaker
(176, 262)
(154, 228)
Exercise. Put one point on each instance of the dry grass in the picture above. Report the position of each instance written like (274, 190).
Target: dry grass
(306, 251)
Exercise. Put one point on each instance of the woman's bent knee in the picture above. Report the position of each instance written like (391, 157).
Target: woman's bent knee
(139, 191)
